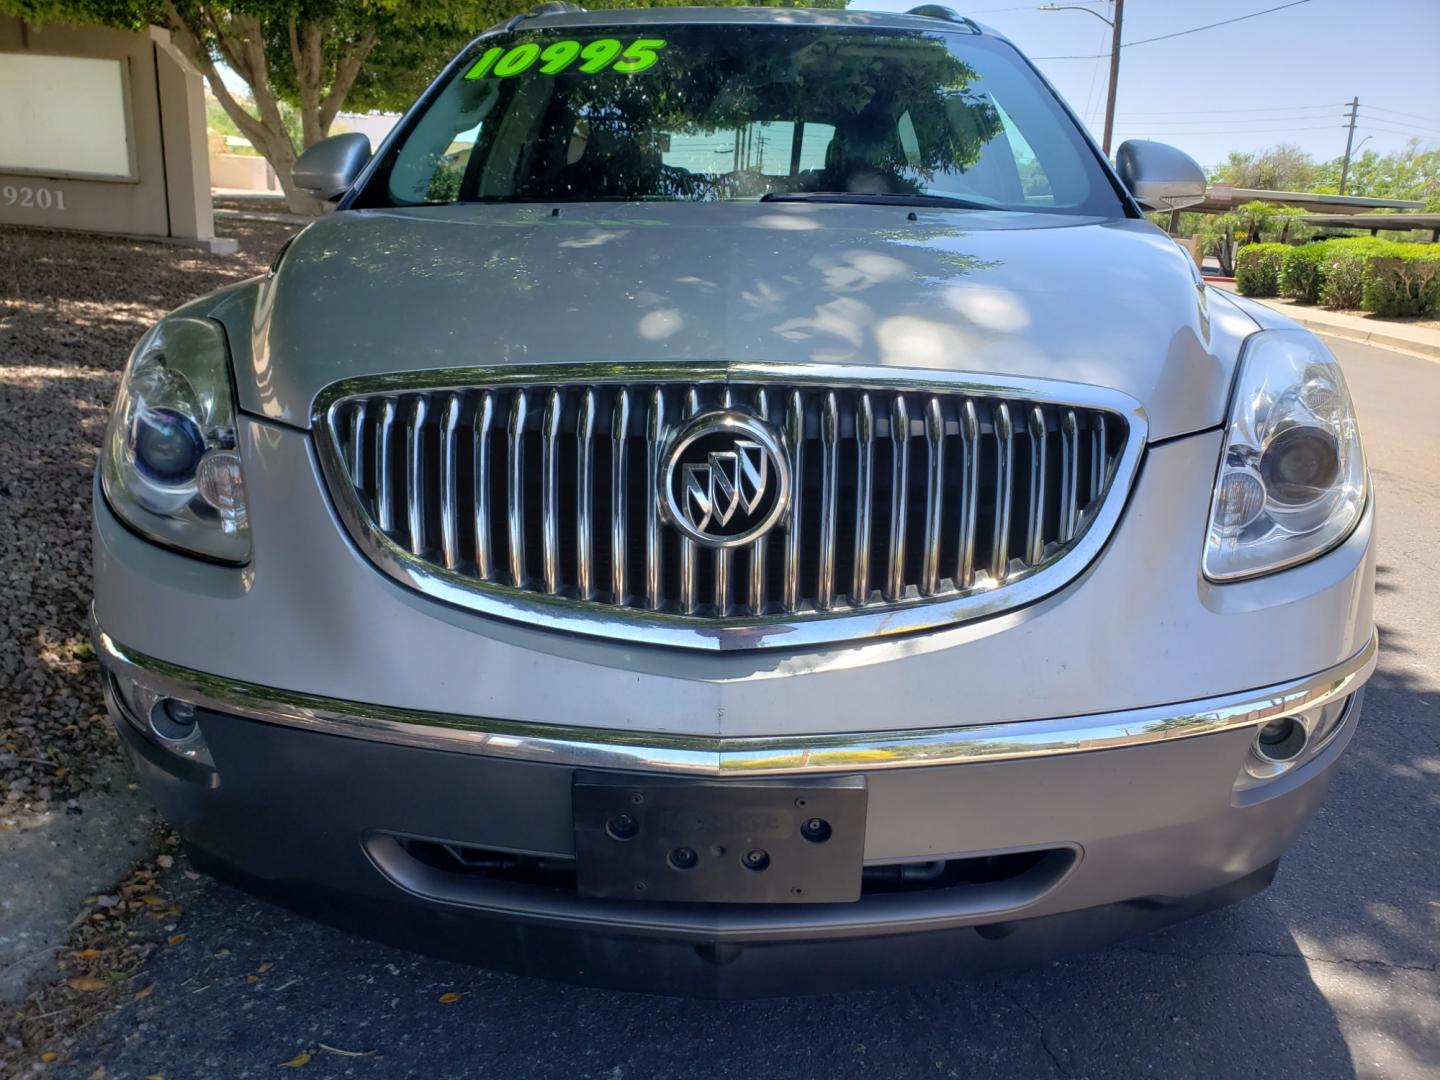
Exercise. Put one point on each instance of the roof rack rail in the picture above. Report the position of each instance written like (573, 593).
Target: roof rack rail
(940, 11)
(550, 7)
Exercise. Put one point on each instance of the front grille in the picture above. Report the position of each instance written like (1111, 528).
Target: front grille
(538, 495)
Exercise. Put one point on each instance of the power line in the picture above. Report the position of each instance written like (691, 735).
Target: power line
(1172, 122)
(1403, 125)
(1412, 116)
(1031, 7)
(1232, 131)
(1213, 112)
(1182, 33)
(1370, 125)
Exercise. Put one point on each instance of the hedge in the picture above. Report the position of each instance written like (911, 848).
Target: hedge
(1257, 269)
(1383, 276)
(1300, 272)
(1342, 277)
(1406, 282)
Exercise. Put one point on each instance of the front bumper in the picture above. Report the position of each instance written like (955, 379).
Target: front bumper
(306, 804)
(348, 716)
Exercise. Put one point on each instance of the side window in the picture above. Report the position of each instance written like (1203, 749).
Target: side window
(1033, 179)
(450, 167)
(909, 141)
(814, 146)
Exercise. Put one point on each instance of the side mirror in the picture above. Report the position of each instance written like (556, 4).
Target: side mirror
(329, 167)
(1159, 176)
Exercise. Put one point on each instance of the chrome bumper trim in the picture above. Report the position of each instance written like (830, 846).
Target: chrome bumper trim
(754, 756)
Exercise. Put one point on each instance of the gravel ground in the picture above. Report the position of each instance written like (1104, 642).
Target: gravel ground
(71, 308)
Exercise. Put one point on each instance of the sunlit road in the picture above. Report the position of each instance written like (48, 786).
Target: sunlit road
(1331, 973)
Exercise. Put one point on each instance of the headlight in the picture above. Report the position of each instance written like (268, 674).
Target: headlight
(169, 465)
(1292, 478)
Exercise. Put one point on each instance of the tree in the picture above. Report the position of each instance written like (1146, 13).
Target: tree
(1280, 168)
(1411, 173)
(311, 54)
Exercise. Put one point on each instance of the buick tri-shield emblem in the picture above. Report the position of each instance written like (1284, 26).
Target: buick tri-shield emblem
(725, 479)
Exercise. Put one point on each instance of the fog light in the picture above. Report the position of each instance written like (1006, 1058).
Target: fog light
(1281, 740)
(173, 721)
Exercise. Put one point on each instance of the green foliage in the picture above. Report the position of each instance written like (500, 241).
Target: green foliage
(1403, 281)
(1257, 269)
(1280, 168)
(1300, 272)
(1411, 173)
(1382, 276)
(1342, 278)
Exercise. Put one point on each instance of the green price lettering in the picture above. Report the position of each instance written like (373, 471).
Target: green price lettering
(594, 57)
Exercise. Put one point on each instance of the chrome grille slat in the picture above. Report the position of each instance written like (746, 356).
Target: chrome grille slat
(357, 446)
(654, 434)
(384, 481)
(415, 486)
(550, 492)
(829, 480)
(619, 509)
(1004, 467)
(969, 426)
(1069, 475)
(757, 549)
(480, 486)
(585, 497)
(518, 487)
(1097, 457)
(689, 551)
(864, 484)
(934, 495)
(795, 433)
(1035, 523)
(515, 464)
(899, 496)
(450, 482)
(725, 557)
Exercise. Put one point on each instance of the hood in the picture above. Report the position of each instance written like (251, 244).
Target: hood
(1110, 303)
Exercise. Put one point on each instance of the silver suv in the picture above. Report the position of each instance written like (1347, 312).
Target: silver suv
(736, 502)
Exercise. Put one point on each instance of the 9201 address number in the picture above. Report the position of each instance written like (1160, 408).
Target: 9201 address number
(32, 198)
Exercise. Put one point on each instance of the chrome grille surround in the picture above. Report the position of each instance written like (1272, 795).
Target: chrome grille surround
(1002, 491)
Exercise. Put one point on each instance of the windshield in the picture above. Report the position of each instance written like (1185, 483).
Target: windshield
(711, 112)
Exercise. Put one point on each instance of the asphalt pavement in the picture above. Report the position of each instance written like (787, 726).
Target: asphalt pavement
(1330, 973)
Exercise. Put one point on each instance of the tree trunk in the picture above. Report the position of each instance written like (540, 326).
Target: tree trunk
(239, 41)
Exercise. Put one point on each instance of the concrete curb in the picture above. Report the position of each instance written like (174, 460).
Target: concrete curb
(1372, 337)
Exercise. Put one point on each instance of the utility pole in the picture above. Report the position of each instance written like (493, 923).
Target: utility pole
(1114, 25)
(1349, 142)
(1115, 77)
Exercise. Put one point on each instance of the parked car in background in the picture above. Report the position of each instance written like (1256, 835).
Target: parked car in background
(736, 502)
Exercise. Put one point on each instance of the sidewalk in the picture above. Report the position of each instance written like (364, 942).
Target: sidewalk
(1420, 339)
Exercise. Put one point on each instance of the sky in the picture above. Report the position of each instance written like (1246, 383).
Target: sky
(1282, 77)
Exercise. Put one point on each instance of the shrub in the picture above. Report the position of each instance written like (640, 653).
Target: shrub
(1404, 282)
(1300, 272)
(1257, 269)
(1343, 268)
(1342, 278)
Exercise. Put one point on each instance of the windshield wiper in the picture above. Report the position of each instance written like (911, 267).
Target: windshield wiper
(949, 202)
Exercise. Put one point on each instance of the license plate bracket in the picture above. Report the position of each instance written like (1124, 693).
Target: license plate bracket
(719, 841)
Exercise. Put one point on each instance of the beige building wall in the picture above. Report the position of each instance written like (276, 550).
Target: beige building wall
(62, 168)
